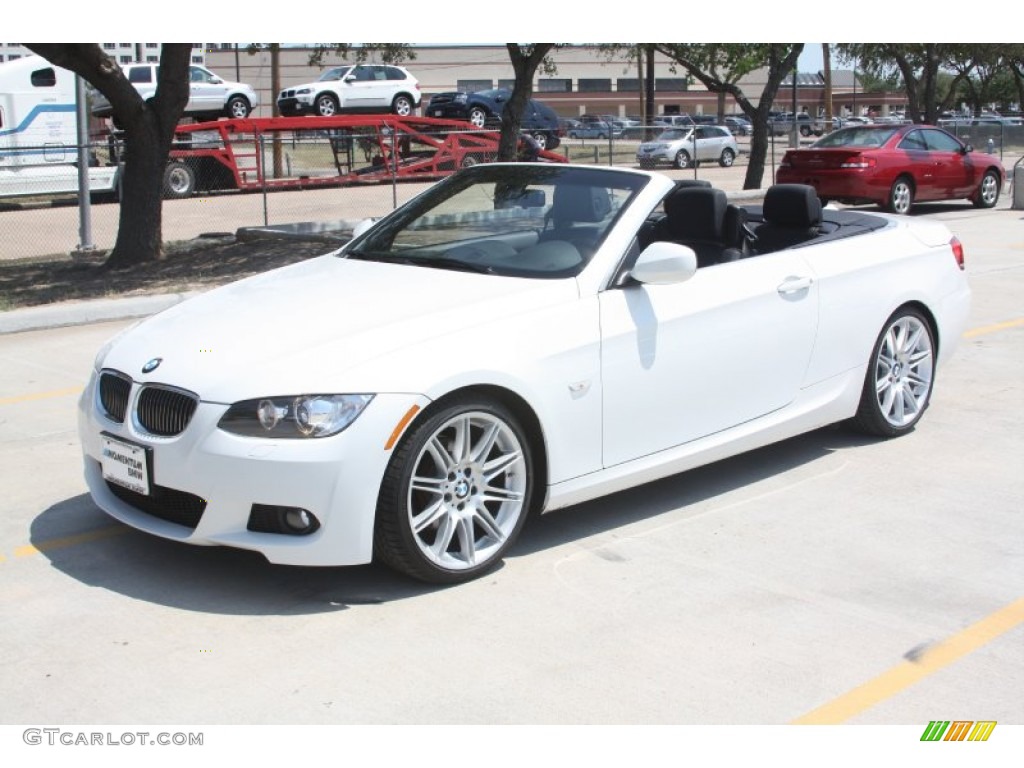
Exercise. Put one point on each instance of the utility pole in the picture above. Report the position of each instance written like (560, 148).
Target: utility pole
(826, 58)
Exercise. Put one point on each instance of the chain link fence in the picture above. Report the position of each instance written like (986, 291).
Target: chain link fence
(218, 182)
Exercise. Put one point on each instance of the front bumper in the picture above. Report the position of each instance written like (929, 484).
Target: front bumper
(337, 479)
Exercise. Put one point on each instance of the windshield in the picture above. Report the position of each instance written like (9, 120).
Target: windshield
(517, 220)
(859, 136)
(334, 73)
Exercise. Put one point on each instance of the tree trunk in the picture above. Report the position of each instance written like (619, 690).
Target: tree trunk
(525, 62)
(148, 132)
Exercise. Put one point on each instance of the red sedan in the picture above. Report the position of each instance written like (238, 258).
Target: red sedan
(894, 166)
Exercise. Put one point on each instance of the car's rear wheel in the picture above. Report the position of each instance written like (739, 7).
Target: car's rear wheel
(238, 107)
(326, 105)
(478, 117)
(727, 158)
(682, 159)
(901, 196)
(541, 138)
(988, 191)
(805, 131)
(179, 180)
(456, 493)
(402, 105)
(898, 382)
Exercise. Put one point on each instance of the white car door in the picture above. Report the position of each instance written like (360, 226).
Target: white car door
(683, 361)
(207, 92)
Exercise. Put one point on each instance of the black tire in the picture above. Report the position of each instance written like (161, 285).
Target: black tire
(402, 105)
(901, 196)
(900, 376)
(238, 107)
(449, 499)
(478, 117)
(682, 159)
(326, 105)
(988, 190)
(727, 159)
(541, 138)
(179, 181)
(805, 131)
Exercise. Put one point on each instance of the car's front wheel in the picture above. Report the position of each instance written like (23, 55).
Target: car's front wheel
(727, 159)
(898, 382)
(988, 191)
(326, 105)
(478, 117)
(901, 196)
(682, 159)
(541, 138)
(238, 107)
(456, 493)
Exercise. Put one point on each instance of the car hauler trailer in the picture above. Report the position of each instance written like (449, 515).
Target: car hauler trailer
(38, 140)
(323, 151)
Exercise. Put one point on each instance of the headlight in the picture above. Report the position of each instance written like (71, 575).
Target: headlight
(294, 416)
(304, 90)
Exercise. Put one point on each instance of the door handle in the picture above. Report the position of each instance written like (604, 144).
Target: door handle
(794, 285)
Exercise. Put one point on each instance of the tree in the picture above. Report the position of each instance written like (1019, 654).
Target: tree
(719, 67)
(526, 60)
(148, 131)
(929, 90)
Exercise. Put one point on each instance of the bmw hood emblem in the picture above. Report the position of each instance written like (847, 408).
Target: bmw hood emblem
(152, 365)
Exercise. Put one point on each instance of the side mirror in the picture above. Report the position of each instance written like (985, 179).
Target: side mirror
(968, 148)
(663, 263)
(215, 81)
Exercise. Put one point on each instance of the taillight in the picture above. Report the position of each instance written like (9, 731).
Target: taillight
(958, 252)
(858, 161)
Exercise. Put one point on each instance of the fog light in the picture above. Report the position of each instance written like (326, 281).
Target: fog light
(273, 518)
(298, 520)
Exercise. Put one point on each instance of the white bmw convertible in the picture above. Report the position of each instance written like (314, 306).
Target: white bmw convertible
(518, 338)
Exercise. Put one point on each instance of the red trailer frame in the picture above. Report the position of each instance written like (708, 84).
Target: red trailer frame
(232, 154)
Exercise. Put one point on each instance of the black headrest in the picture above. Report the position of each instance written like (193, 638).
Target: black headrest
(695, 213)
(692, 183)
(578, 203)
(792, 205)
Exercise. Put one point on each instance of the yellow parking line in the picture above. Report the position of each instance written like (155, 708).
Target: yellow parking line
(993, 328)
(40, 395)
(904, 675)
(69, 541)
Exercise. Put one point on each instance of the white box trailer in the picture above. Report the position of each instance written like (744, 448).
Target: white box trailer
(38, 139)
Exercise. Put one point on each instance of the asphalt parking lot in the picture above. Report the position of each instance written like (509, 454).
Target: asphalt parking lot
(828, 579)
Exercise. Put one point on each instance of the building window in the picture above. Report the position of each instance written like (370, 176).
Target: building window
(628, 84)
(152, 45)
(555, 85)
(109, 46)
(126, 59)
(670, 84)
(509, 84)
(153, 59)
(592, 84)
(124, 45)
(197, 59)
(472, 86)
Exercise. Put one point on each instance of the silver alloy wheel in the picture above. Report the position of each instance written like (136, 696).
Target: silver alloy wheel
(402, 106)
(901, 196)
(727, 158)
(179, 180)
(903, 367)
(682, 159)
(238, 107)
(478, 117)
(541, 139)
(988, 193)
(467, 492)
(326, 106)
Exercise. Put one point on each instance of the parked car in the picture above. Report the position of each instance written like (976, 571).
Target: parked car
(675, 146)
(894, 166)
(483, 109)
(366, 88)
(738, 126)
(210, 96)
(566, 124)
(324, 418)
(673, 120)
(782, 124)
(594, 127)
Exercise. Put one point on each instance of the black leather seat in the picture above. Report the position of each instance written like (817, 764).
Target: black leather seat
(695, 217)
(792, 215)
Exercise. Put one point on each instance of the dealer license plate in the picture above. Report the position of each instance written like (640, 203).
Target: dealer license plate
(126, 464)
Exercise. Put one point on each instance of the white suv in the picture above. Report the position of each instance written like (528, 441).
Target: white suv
(353, 88)
(209, 97)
